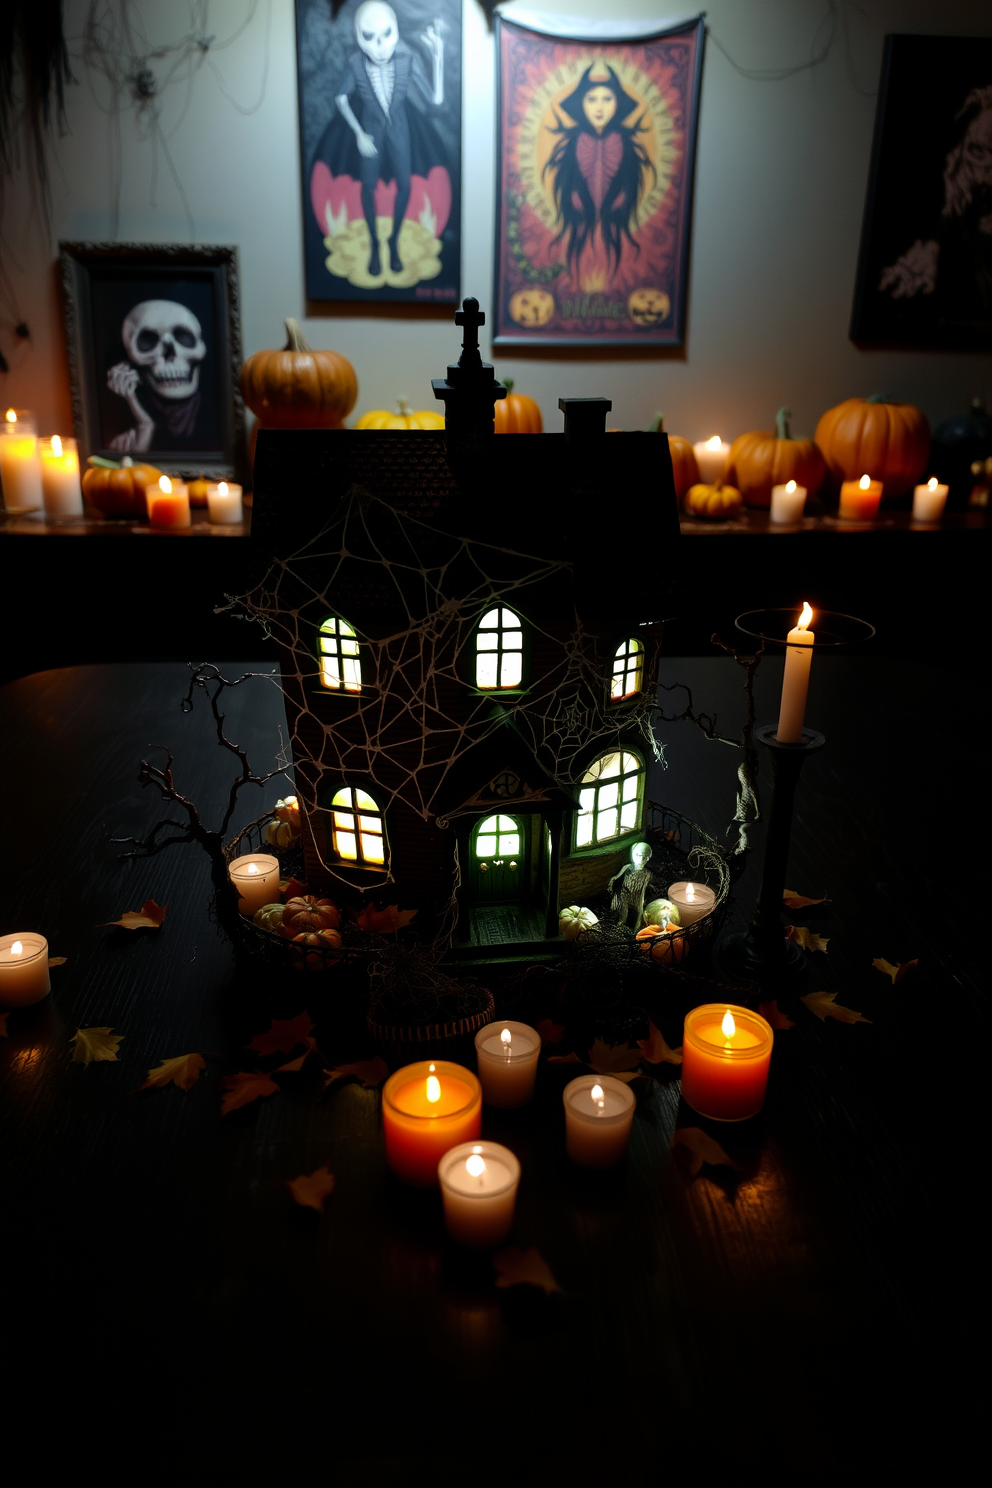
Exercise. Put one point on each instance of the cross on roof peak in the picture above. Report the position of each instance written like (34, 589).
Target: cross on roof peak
(471, 317)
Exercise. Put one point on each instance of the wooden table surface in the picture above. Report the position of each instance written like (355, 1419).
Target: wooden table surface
(171, 1315)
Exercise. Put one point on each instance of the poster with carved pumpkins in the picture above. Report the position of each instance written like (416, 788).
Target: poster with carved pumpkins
(596, 141)
(380, 144)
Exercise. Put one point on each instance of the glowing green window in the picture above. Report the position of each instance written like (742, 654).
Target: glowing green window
(498, 837)
(356, 827)
(340, 664)
(610, 798)
(628, 669)
(499, 649)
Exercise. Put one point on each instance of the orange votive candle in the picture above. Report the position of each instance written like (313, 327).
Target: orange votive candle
(428, 1108)
(726, 1052)
(168, 503)
(859, 499)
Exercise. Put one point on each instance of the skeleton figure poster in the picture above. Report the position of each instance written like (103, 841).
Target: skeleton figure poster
(154, 353)
(596, 141)
(380, 145)
(925, 269)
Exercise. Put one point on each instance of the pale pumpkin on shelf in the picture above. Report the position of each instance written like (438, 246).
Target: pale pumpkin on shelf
(574, 919)
(712, 503)
(405, 418)
(762, 459)
(297, 387)
(887, 441)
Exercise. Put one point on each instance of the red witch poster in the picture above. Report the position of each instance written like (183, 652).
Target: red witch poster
(596, 142)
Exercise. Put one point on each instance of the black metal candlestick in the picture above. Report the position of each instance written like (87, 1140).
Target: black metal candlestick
(762, 951)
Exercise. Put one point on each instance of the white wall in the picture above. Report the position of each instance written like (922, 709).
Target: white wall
(780, 184)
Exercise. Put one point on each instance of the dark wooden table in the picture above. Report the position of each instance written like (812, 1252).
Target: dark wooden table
(170, 1314)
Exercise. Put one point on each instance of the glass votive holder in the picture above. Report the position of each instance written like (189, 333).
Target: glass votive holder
(24, 977)
(506, 1056)
(479, 1182)
(256, 878)
(224, 503)
(726, 1054)
(428, 1108)
(20, 463)
(599, 1111)
(60, 485)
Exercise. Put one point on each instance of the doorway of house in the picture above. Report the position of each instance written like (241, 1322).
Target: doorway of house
(499, 868)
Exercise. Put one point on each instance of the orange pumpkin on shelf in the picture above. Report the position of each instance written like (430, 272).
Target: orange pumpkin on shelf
(314, 949)
(298, 388)
(309, 913)
(406, 418)
(516, 413)
(197, 490)
(118, 490)
(663, 945)
(762, 459)
(712, 503)
(868, 436)
(685, 467)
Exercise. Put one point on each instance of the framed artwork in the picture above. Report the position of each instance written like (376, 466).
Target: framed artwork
(925, 267)
(380, 92)
(596, 137)
(154, 339)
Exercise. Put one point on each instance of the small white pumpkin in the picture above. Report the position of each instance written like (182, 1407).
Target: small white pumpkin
(661, 912)
(269, 917)
(575, 919)
(280, 834)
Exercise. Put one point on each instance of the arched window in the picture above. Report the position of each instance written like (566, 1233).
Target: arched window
(356, 827)
(610, 798)
(498, 837)
(628, 669)
(340, 664)
(499, 649)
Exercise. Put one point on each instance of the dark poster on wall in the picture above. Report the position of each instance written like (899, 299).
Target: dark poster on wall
(925, 268)
(380, 134)
(596, 139)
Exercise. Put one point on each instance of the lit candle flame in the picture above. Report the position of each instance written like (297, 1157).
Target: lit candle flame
(474, 1166)
(805, 617)
(728, 1025)
(505, 1039)
(252, 867)
(715, 443)
(17, 949)
(222, 488)
(690, 893)
(11, 416)
(790, 486)
(433, 1088)
(932, 483)
(865, 482)
(165, 485)
(599, 1098)
(56, 447)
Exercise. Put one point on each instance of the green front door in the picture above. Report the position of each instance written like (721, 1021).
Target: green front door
(498, 866)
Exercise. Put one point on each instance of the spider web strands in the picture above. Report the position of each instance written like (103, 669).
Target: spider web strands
(420, 713)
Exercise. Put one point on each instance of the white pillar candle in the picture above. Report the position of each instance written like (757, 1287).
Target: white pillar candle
(168, 503)
(859, 500)
(598, 1114)
(62, 492)
(788, 502)
(711, 457)
(256, 878)
(929, 501)
(795, 682)
(694, 900)
(507, 1055)
(23, 969)
(479, 1188)
(224, 502)
(20, 465)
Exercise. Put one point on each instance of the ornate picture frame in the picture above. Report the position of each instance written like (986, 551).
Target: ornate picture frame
(153, 332)
(596, 136)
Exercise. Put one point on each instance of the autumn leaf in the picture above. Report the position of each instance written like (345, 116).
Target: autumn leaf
(291, 888)
(283, 1035)
(655, 1050)
(3, 1026)
(312, 1189)
(94, 1044)
(516, 1267)
(618, 1060)
(57, 960)
(244, 1088)
(824, 1006)
(368, 1072)
(384, 921)
(693, 1147)
(895, 972)
(182, 1069)
(771, 1014)
(565, 1059)
(550, 1033)
(148, 917)
(792, 900)
(806, 938)
(297, 1064)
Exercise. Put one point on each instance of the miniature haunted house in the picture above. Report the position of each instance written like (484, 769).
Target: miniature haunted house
(468, 638)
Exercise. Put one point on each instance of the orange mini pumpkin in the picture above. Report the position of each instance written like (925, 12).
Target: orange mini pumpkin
(685, 467)
(762, 459)
(314, 949)
(406, 418)
(868, 436)
(298, 388)
(309, 913)
(713, 503)
(516, 413)
(119, 490)
(662, 945)
(197, 490)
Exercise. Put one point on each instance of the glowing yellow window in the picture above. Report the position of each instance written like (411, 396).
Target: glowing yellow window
(499, 649)
(498, 837)
(610, 798)
(628, 669)
(356, 827)
(340, 663)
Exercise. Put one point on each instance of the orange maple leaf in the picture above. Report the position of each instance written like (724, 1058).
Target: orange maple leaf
(693, 1147)
(368, 1072)
(384, 921)
(57, 960)
(771, 1014)
(182, 1069)
(565, 1059)
(806, 938)
(551, 1033)
(655, 1050)
(516, 1267)
(618, 1060)
(245, 1087)
(792, 900)
(297, 1064)
(148, 917)
(824, 1006)
(311, 1189)
(283, 1035)
(896, 972)
(95, 1044)
(291, 888)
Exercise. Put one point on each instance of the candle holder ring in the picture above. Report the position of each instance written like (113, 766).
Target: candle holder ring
(832, 628)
